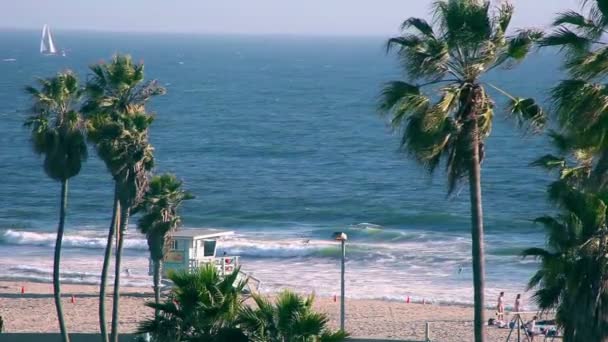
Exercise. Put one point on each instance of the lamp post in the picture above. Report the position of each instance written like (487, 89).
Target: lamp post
(342, 237)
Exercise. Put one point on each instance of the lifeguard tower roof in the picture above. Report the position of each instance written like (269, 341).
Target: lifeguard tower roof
(201, 233)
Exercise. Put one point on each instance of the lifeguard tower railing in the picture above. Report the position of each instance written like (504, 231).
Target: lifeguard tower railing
(225, 265)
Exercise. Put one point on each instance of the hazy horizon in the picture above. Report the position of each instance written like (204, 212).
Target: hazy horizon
(245, 17)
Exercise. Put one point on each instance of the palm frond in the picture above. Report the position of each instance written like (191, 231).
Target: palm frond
(419, 24)
(518, 47)
(589, 65)
(527, 111)
(503, 18)
(574, 19)
(550, 162)
(565, 38)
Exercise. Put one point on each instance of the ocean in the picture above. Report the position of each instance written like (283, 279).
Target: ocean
(279, 139)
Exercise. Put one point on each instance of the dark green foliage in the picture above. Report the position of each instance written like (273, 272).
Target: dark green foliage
(201, 305)
(57, 128)
(290, 318)
(573, 276)
(118, 123)
(159, 208)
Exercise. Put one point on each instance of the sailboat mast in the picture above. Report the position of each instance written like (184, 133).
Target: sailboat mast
(43, 47)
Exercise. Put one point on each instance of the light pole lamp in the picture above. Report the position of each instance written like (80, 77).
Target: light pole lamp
(342, 237)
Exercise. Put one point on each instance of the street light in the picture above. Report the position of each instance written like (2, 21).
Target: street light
(342, 237)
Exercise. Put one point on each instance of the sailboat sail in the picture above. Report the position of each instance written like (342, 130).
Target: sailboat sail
(47, 46)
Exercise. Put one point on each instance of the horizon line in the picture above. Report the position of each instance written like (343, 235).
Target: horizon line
(203, 33)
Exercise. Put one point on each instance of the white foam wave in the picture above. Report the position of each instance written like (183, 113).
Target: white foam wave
(16, 237)
(234, 246)
(272, 249)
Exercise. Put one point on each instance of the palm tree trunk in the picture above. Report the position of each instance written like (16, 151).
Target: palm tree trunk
(57, 260)
(124, 219)
(157, 266)
(477, 229)
(103, 327)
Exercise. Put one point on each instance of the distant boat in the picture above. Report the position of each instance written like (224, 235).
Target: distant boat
(47, 45)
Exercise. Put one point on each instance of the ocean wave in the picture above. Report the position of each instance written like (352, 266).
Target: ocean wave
(367, 242)
(296, 248)
(240, 245)
(17, 237)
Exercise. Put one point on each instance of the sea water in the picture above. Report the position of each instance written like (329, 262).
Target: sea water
(279, 139)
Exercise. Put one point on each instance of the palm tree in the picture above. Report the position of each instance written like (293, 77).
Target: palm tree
(201, 305)
(290, 318)
(452, 120)
(118, 124)
(57, 132)
(580, 101)
(573, 275)
(160, 203)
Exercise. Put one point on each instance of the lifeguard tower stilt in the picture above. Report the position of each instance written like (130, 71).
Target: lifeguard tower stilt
(518, 323)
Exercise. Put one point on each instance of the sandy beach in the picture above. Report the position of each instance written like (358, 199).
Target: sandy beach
(34, 311)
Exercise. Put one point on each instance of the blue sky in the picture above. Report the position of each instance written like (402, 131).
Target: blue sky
(304, 17)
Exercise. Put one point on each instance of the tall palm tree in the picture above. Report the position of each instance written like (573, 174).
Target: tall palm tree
(160, 218)
(573, 275)
(446, 115)
(290, 318)
(57, 132)
(201, 305)
(118, 125)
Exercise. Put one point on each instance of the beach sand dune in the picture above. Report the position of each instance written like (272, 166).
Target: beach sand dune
(34, 311)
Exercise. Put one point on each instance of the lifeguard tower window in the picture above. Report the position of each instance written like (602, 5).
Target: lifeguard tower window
(173, 245)
(209, 248)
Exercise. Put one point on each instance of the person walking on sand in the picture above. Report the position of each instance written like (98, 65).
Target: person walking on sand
(517, 307)
(500, 307)
(531, 328)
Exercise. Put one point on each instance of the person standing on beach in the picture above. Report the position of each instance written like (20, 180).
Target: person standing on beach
(517, 307)
(500, 308)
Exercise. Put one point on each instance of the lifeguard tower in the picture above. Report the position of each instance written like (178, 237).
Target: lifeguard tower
(189, 249)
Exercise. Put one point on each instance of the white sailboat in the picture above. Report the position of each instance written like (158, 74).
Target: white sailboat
(47, 45)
